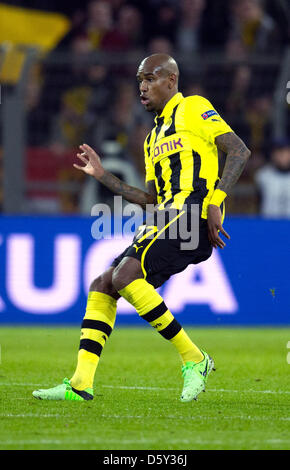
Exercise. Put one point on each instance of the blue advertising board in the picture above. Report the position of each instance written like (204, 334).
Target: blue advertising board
(48, 263)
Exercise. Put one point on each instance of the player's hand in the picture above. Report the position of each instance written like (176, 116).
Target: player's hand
(92, 161)
(214, 223)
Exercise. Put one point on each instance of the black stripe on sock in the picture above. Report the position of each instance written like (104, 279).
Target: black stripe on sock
(91, 346)
(171, 330)
(155, 313)
(97, 325)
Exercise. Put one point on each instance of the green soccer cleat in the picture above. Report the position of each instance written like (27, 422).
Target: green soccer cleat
(64, 392)
(195, 376)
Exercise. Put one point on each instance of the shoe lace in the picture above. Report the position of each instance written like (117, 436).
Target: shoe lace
(66, 382)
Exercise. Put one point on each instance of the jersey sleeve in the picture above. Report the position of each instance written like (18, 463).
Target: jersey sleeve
(149, 168)
(203, 119)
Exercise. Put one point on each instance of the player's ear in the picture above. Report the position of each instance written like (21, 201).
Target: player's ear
(172, 81)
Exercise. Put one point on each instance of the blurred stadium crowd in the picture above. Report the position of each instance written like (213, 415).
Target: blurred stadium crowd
(85, 90)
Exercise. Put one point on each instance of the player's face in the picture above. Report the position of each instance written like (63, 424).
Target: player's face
(154, 87)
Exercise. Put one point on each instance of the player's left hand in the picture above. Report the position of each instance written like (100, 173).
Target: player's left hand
(214, 223)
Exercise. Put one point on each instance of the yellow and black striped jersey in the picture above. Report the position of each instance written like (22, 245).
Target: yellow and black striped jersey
(180, 152)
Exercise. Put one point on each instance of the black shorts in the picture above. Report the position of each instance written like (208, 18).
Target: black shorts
(157, 244)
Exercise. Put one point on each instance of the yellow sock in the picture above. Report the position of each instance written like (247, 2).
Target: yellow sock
(186, 348)
(151, 307)
(97, 326)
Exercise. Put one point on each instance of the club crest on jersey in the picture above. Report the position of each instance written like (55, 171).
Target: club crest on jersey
(167, 124)
(174, 144)
(209, 113)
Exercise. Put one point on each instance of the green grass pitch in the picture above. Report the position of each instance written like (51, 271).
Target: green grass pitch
(137, 389)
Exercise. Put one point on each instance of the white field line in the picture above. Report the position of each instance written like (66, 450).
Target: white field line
(29, 415)
(125, 387)
(18, 384)
(282, 392)
(94, 440)
(175, 417)
(208, 389)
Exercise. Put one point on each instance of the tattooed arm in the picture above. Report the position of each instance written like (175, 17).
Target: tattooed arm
(236, 159)
(94, 168)
(131, 194)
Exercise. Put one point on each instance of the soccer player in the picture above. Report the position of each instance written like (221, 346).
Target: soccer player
(181, 159)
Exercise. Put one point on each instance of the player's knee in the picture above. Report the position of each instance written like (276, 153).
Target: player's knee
(126, 272)
(97, 283)
(103, 283)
